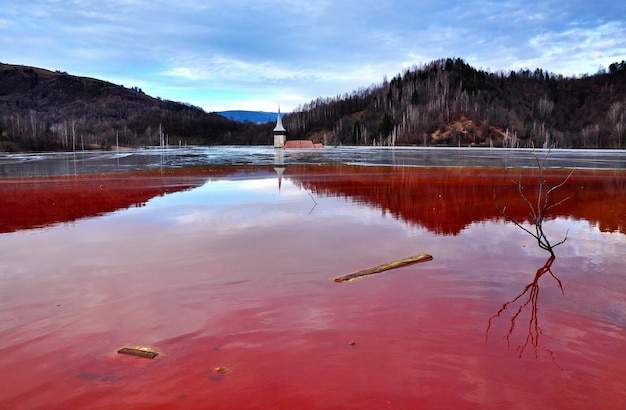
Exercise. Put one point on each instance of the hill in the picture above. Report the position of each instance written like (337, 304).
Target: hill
(46, 110)
(447, 102)
(444, 103)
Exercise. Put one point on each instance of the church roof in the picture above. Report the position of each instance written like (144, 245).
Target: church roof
(279, 124)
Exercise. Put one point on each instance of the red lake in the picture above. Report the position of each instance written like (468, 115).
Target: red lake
(227, 273)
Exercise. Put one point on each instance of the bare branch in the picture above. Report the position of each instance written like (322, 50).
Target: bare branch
(546, 207)
(538, 211)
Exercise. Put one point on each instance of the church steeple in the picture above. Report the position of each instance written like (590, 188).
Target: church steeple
(280, 133)
(279, 123)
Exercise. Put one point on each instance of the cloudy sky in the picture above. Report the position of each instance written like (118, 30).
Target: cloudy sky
(254, 55)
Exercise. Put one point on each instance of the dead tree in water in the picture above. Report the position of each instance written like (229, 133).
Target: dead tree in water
(538, 210)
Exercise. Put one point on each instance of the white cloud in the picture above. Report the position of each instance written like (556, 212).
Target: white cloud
(581, 49)
(224, 68)
(300, 48)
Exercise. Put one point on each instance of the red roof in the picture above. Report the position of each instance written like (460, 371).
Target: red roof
(302, 144)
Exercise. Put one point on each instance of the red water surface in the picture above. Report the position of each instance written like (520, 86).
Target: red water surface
(231, 282)
(39, 201)
(445, 200)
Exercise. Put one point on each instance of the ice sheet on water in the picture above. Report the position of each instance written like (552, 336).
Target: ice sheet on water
(69, 163)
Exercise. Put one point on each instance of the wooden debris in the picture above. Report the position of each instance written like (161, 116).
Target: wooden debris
(141, 352)
(422, 257)
(221, 369)
(218, 373)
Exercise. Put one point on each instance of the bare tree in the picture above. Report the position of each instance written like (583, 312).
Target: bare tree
(540, 208)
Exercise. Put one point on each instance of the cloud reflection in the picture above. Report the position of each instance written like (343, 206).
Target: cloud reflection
(236, 269)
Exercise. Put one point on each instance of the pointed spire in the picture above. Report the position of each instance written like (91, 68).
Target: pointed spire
(279, 172)
(279, 123)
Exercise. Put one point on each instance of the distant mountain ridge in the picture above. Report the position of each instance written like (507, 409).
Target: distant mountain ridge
(249, 116)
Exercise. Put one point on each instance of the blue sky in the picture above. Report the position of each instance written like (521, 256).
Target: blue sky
(254, 55)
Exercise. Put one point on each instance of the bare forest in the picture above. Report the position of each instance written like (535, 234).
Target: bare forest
(449, 103)
(444, 103)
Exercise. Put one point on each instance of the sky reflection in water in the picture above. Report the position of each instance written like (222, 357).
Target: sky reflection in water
(238, 273)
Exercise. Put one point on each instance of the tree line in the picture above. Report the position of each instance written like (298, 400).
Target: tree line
(42, 110)
(446, 102)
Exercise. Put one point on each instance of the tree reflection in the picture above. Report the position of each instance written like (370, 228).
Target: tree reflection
(528, 297)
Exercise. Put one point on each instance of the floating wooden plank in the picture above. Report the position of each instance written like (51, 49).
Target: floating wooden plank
(422, 257)
(142, 352)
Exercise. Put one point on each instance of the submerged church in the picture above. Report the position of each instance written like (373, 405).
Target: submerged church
(280, 133)
(280, 137)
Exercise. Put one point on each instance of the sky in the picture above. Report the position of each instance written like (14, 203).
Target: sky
(256, 55)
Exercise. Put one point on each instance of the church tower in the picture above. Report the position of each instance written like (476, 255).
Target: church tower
(280, 133)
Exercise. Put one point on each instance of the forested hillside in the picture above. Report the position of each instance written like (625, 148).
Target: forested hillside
(45, 110)
(448, 102)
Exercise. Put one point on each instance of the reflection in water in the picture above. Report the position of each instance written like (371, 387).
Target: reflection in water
(446, 200)
(234, 275)
(36, 203)
(532, 299)
(279, 174)
(27, 203)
